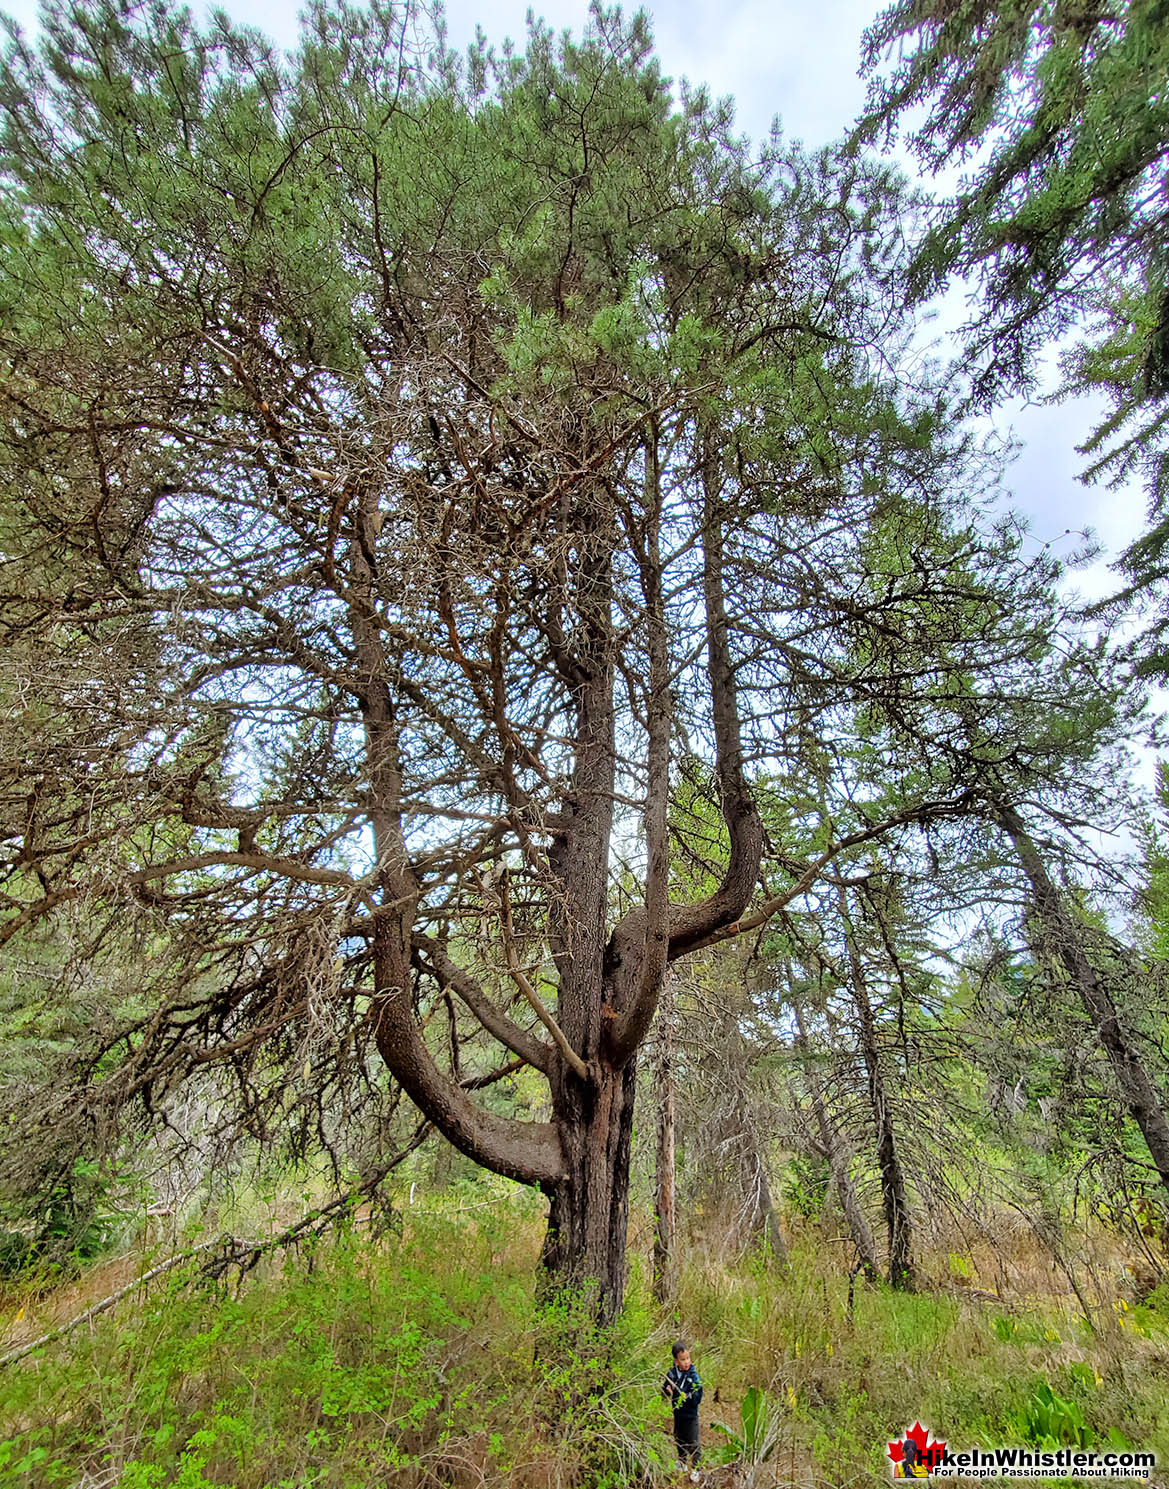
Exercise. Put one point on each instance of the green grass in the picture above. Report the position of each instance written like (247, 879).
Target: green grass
(972, 1373)
(423, 1360)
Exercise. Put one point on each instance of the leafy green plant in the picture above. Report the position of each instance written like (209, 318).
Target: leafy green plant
(73, 1218)
(806, 1185)
(1051, 1421)
(759, 1419)
(960, 1266)
(1084, 1375)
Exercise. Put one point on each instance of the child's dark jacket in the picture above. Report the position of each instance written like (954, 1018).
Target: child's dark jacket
(684, 1390)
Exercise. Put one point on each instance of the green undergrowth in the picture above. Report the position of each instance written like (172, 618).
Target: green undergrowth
(847, 1381)
(422, 1359)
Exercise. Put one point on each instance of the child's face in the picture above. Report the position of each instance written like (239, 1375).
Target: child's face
(682, 1359)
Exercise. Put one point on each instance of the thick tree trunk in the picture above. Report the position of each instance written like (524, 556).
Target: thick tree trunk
(588, 1211)
(834, 1150)
(664, 1197)
(894, 1200)
(1139, 1094)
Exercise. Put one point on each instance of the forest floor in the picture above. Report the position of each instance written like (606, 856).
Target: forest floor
(418, 1357)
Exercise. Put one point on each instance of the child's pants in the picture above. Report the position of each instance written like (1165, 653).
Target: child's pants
(686, 1437)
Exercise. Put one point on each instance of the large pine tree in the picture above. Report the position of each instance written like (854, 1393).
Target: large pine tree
(469, 443)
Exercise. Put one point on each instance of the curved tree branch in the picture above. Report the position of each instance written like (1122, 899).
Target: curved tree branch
(434, 957)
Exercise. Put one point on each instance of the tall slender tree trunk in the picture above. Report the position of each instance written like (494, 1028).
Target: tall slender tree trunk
(588, 1208)
(758, 1205)
(835, 1151)
(1139, 1094)
(766, 1211)
(894, 1200)
(664, 1192)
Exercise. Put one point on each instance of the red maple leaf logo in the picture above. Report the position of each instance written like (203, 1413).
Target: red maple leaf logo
(926, 1452)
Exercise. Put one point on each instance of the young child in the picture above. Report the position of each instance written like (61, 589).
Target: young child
(683, 1390)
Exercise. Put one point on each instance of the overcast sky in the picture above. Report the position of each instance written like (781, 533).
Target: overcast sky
(798, 59)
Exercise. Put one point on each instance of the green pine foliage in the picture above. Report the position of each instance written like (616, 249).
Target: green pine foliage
(1059, 115)
(1061, 112)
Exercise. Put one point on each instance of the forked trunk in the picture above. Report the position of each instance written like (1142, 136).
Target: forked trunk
(608, 978)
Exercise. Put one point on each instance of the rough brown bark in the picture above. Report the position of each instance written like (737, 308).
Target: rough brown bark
(588, 1210)
(1137, 1090)
(584, 1248)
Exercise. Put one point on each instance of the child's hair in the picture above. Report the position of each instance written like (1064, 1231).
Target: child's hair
(679, 1346)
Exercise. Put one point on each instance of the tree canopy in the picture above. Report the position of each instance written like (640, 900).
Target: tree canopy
(443, 464)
